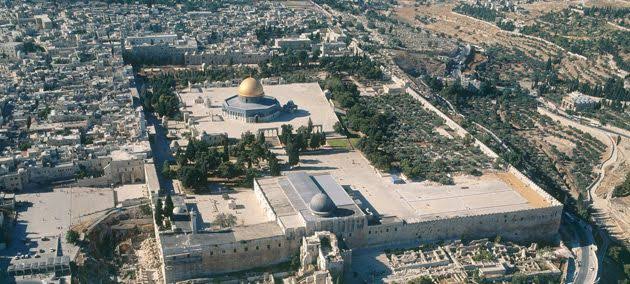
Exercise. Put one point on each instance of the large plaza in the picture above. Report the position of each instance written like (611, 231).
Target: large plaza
(206, 107)
(332, 189)
(490, 193)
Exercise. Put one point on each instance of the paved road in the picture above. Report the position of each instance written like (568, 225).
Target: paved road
(161, 152)
(599, 202)
(583, 245)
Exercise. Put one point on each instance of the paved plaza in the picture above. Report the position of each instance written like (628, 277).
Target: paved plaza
(490, 193)
(48, 214)
(309, 98)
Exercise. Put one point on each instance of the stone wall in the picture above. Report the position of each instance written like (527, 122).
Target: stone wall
(523, 225)
(102, 181)
(207, 260)
(195, 58)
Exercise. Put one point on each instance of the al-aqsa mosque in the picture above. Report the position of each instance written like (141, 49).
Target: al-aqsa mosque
(250, 104)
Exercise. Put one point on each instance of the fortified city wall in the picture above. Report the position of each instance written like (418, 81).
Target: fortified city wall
(522, 225)
(205, 260)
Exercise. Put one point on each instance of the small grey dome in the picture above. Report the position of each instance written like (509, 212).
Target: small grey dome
(321, 204)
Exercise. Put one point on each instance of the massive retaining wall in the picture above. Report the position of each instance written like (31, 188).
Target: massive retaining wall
(539, 224)
(198, 261)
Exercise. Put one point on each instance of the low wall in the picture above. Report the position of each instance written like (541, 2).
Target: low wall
(533, 186)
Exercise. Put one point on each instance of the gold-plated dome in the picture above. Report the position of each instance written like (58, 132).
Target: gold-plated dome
(250, 88)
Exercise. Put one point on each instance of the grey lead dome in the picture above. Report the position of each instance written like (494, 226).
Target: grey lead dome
(321, 204)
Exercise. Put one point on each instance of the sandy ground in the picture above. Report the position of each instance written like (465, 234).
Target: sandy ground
(616, 172)
(563, 145)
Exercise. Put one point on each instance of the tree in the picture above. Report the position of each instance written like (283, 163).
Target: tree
(72, 237)
(322, 138)
(191, 150)
(248, 138)
(293, 153)
(316, 54)
(226, 153)
(286, 133)
(250, 175)
(260, 139)
(166, 169)
(339, 128)
(309, 126)
(227, 170)
(300, 142)
(168, 206)
(192, 177)
(225, 220)
(209, 161)
(274, 166)
(180, 159)
(159, 213)
(315, 141)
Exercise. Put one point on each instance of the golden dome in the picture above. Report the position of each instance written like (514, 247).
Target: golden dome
(250, 88)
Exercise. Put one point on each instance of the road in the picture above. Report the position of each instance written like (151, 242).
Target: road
(599, 202)
(161, 152)
(583, 246)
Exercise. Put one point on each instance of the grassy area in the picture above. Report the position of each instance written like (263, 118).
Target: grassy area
(343, 143)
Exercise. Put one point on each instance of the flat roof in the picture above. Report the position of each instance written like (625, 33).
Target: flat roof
(336, 193)
(174, 243)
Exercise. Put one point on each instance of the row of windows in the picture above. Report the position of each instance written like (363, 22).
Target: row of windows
(246, 249)
(386, 230)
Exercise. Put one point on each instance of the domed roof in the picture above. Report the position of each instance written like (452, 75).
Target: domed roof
(250, 88)
(321, 204)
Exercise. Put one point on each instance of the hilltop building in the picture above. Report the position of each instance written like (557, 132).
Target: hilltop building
(291, 208)
(251, 104)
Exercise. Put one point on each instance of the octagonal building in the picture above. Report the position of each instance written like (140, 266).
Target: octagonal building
(250, 104)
